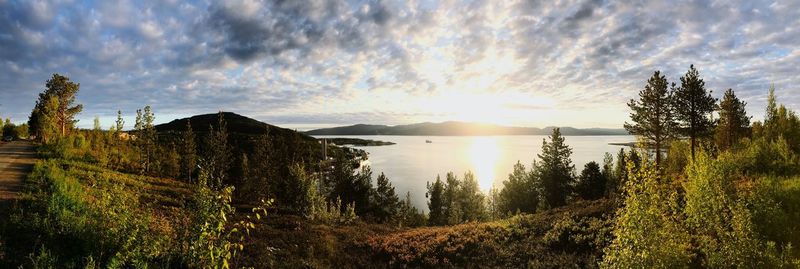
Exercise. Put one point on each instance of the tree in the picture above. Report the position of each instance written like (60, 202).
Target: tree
(451, 192)
(519, 193)
(97, 126)
(409, 216)
(592, 182)
(218, 154)
(54, 111)
(188, 151)
(693, 107)
(648, 230)
(351, 187)
(385, 201)
(9, 129)
(653, 114)
(780, 123)
(120, 123)
(435, 195)
(733, 123)
(146, 138)
(471, 199)
(620, 173)
(556, 170)
(22, 130)
(608, 173)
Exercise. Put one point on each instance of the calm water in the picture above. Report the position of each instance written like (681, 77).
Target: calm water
(411, 162)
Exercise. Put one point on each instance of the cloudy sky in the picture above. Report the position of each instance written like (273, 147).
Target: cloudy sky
(319, 63)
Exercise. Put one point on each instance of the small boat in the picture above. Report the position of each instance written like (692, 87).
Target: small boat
(428, 141)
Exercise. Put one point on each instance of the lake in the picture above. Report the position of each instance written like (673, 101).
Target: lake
(411, 162)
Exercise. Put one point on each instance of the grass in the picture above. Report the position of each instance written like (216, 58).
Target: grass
(80, 215)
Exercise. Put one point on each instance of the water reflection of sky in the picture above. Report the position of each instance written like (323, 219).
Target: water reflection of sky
(411, 163)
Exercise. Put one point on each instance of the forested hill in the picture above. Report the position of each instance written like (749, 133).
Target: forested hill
(455, 128)
(235, 124)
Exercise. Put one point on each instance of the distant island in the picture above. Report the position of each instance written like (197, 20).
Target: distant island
(456, 128)
(358, 142)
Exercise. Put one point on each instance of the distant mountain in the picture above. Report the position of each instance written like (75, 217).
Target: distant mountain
(456, 128)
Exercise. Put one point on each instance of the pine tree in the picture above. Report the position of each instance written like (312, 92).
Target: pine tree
(653, 115)
(733, 123)
(620, 173)
(436, 203)
(693, 107)
(556, 170)
(188, 151)
(592, 182)
(219, 155)
(452, 210)
(385, 200)
(55, 111)
(120, 123)
(519, 193)
(471, 199)
(146, 138)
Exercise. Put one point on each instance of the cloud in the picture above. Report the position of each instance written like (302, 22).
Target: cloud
(322, 61)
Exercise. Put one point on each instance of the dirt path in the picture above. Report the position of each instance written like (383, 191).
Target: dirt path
(16, 161)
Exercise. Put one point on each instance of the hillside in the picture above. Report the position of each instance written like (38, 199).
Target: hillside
(455, 128)
(236, 124)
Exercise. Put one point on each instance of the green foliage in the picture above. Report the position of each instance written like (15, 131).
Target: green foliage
(653, 114)
(693, 106)
(216, 239)
(409, 215)
(455, 200)
(436, 205)
(719, 218)
(678, 157)
(54, 112)
(556, 171)
(351, 187)
(591, 183)
(733, 123)
(520, 192)
(780, 122)
(107, 223)
(385, 201)
(648, 232)
(218, 157)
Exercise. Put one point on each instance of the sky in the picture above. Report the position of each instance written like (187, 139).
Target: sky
(317, 63)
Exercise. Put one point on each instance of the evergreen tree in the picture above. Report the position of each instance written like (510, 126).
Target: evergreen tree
(608, 173)
(653, 115)
(733, 123)
(351, 187)
(219, 155)
(519, 193)
(471, 199)
(436, 203)
(693, 107)
(120, 123)
(620, 172)
(385, 200)
(409, 216)
(592, 182)
(188, 151)
(556, 170)
(452, 189)
(146, 138)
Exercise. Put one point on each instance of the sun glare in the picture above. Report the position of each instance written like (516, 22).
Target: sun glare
(484, 154)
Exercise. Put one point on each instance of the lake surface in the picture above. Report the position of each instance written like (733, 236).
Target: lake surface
(411, 163)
